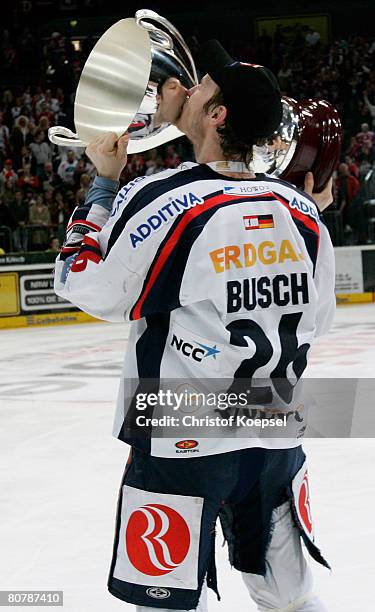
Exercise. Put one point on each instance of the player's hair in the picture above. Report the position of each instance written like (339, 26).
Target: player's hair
(230, 143)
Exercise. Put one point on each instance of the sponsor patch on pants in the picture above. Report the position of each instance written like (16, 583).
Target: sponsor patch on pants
(159, 540)
(301, 494)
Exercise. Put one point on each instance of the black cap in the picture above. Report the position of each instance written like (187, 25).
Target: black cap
(251, 92)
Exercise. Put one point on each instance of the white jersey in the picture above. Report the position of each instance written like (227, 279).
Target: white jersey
(221, 278)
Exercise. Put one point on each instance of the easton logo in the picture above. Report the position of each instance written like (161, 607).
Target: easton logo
(195, 351)
(158, 593)
(157, 540)
(187, 444)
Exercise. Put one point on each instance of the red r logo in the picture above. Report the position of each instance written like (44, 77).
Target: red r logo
(157, 539)
(304, 504)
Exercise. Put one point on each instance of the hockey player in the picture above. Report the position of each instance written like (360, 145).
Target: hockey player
(223, 274)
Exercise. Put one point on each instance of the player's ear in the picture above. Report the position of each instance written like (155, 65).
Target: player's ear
(218, 115)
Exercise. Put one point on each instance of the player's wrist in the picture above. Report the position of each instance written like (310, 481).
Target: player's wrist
(111, 176)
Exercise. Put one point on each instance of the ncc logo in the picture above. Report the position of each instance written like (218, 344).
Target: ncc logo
(157, 540)
(196, 351)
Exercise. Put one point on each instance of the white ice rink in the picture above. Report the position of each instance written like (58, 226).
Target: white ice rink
(61, 469)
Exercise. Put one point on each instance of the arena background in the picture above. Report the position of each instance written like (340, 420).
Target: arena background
(60, 467)
(43, 48)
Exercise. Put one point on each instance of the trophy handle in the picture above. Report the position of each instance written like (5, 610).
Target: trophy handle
(63, 136)
(160, 38)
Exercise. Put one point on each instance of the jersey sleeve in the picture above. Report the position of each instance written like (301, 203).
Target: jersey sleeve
(98, 269)
(324, 280)
(99, 285)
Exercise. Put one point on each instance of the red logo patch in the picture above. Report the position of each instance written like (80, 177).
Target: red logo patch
(80, 263)
(304, 504)
(157, 539)
(186, 444)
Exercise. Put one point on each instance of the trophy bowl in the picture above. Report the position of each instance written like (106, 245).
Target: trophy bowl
(117, 90)
(308, 139)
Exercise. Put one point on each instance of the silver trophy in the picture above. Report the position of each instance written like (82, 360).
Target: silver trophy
(117, 90)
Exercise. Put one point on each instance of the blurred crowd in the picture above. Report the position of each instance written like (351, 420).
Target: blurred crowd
(343, 73)
(40, 183)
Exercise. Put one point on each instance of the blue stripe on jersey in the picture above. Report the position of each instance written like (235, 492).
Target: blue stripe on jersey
(311, 241)
(165, 293)
(293, 188)
(149, 353)
(150, 192)
(310, 237)
(81, 212)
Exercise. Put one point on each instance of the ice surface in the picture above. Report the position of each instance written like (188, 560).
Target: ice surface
(61, 469)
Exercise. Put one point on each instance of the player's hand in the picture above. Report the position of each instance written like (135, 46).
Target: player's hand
(322, 199)
(108, 153)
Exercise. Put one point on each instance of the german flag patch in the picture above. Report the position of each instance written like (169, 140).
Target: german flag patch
(254, 222)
